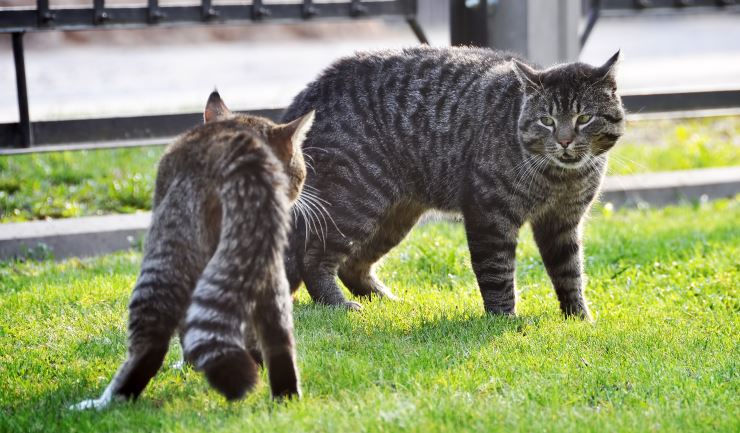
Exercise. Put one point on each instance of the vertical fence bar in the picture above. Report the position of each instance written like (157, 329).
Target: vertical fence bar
(309, 10)
(412, 10)
(469, 24)
(24, 123)
(155, 14)
(207, 11)
(259, 10)
(100, 16)
(594, 10)
(357, 9)
(45, 16)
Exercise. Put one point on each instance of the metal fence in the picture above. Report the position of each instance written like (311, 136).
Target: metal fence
(26, 134)
(468, 25)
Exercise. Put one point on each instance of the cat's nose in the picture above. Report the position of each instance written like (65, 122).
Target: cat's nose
(565, 142)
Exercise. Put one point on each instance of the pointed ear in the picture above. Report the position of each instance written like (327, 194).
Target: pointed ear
(609, 69)
(287, 138)
(529, 77)
(215, 109)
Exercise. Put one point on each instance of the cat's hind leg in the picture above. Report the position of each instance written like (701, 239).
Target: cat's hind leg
(320, 273)
(156, 307)
(272, 321)
(355, 224)
(172, 261)
(357, 272)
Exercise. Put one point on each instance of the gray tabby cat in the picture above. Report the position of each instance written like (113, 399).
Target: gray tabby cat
(213, 262)
(457, 129)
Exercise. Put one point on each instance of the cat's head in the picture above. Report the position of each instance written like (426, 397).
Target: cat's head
(285, 140)
(570, 113)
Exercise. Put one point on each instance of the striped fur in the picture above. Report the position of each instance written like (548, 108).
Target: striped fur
(454, 129)
(213, 263)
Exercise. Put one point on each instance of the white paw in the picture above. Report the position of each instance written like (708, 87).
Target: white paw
(97, 404)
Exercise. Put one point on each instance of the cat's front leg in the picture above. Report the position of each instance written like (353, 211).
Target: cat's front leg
(492, 239)
(558, 237)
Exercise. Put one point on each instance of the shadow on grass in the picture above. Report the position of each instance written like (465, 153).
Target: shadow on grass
(352, 355)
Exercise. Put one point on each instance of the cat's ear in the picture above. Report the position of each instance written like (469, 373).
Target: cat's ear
(609, 69)
(288, 138)
(529, 77)
(215, 109)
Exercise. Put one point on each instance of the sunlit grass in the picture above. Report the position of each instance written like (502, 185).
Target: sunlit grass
(68, 184)
(665, 145)
(663, 355)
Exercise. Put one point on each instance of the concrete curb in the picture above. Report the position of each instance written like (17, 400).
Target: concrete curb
(90, 236)
(660, 189)
(74, 237)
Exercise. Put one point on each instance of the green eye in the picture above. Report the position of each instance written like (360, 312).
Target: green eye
(583, 118)
(547, 121)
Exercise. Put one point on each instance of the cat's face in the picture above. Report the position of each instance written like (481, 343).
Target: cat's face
(285, 140)
(570, 113)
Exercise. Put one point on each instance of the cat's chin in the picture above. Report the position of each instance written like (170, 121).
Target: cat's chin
(571, 164)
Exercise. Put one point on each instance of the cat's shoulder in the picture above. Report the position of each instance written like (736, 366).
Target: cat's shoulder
(205, 144)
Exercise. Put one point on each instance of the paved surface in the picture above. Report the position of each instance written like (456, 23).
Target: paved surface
(660, 189)
(90, 236)
(693, 51)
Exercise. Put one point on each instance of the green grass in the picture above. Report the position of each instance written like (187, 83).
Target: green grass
(663, 355)
(665, 145)
(66, 184)
(70, 184)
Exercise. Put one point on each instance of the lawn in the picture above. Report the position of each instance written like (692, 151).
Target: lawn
(66, 184)
(663, 355)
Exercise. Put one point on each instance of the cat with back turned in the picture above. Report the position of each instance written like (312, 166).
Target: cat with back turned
(469, 130)
(213, 260)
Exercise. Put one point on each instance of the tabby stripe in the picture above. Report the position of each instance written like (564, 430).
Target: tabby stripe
(230, 318)
(223, 301)
(462, 95)
(568, 272)
(561, 253)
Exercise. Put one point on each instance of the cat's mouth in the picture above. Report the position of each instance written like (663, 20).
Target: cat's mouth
(569, 161)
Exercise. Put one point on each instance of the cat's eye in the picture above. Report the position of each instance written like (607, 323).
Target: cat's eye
(583, 118)
(547, 120)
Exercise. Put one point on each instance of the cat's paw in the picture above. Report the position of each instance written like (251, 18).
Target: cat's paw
(578, 311)
(352, 306)
(387, 294)
(98, 403)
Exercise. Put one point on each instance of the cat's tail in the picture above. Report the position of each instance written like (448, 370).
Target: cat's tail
(242, 272)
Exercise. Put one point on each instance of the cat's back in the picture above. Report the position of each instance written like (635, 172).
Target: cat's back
(415, 61)
(398, 79)
(200, 156)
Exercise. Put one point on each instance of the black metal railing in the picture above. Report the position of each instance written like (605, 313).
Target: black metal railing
(663, 4)
(468, 26)
(43, 17)
(17, 21)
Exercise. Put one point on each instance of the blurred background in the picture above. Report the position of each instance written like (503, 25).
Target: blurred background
(130, 74)
(151, 69)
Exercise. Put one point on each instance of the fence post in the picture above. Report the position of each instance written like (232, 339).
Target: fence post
(545, 31)
(24, 123)
(469, 22)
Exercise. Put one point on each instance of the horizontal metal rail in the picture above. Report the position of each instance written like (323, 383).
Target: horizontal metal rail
(152, 130)
(101, 16)
(18, 21)
(663, 4)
